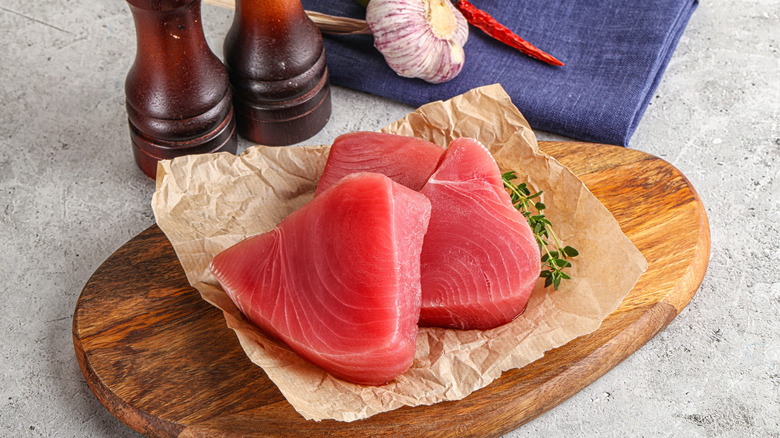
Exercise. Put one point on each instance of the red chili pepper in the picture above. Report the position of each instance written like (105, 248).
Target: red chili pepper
(483, 21)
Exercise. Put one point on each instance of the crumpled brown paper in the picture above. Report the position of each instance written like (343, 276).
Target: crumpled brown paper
(205, 203)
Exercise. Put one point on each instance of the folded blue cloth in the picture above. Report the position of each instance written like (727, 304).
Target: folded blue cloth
(615, 54)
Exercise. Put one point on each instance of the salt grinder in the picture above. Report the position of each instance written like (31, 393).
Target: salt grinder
(276, 63)
(177, 92)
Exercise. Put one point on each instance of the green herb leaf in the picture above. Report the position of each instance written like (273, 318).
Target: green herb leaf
(553, 260)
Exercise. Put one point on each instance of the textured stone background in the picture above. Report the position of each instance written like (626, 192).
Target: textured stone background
(70, 195)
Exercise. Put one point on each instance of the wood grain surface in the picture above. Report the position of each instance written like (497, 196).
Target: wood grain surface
(138, 322)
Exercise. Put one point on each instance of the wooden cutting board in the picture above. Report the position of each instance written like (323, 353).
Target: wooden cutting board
(162, 360)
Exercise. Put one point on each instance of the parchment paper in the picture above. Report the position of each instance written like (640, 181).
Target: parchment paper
(205, 203)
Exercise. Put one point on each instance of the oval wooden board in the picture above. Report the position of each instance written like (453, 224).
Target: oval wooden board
(162, 360)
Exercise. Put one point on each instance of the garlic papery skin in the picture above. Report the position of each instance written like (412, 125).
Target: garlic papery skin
(419, 38)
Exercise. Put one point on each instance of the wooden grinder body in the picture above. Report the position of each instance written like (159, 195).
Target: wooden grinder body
(177, 92)
(276, 62)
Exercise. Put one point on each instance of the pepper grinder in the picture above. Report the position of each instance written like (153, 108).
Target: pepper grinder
(276, 62)
(177, 91)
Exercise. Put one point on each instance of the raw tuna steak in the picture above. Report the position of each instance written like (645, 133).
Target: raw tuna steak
(406, 160)
(480, 259)
(338, 280)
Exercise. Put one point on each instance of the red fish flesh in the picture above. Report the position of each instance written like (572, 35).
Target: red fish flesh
(338, 280)
(480, 259)
(406, 160)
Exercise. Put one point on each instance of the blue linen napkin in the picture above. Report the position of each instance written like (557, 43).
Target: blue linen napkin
(615, 54)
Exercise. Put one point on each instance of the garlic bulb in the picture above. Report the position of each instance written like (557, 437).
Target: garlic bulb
(419, 38)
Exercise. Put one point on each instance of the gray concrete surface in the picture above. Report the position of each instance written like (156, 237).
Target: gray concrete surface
(70, 195)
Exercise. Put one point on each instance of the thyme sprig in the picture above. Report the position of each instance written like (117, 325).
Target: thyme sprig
(555, 260)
